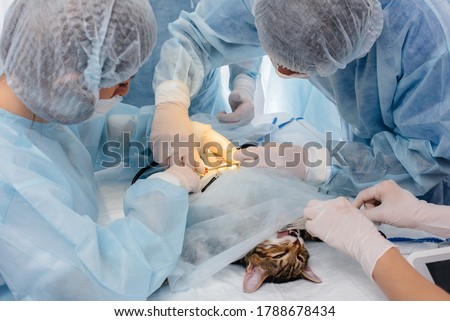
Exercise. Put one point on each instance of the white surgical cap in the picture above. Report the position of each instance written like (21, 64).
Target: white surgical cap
(317, 37)
(58, 54)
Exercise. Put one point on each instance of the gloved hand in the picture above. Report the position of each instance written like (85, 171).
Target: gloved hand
(338, 223)
(182, 176)
(171, 125)
(310, 167)
(388, 203)
(241, 102)
(214, 148)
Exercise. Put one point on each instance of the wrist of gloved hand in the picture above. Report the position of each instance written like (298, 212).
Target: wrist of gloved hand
(338, 223)
(286, 157)
(317, 165)
(245, 86)
(369, 248)
(388, 203)
(174, 92)
(241, 101)
(434, 219)
(172, 135)
(311, 167)
(180, 176)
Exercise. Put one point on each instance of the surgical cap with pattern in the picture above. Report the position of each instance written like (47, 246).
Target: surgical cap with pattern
(317, 37)
(58, 54)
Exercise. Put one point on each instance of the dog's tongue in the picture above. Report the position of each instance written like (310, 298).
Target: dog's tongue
(281, 234)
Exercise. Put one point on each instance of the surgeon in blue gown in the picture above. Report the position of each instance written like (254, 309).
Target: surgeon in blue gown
(62, 63)
(384, 63)
(209, 99)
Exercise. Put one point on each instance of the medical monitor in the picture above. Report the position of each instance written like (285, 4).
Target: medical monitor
(434, 265)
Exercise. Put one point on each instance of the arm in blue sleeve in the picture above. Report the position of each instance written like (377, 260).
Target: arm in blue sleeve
(248, 67)
(50, 252)
(218, 33)
(121, 135)
(416, 153)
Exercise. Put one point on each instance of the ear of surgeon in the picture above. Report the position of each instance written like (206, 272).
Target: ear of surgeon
(59, 58)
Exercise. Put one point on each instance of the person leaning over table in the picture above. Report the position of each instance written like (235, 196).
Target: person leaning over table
(65, 63)
(209, 99)
(384, 63)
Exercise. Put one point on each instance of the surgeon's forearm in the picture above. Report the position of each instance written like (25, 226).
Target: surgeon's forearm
(198, 45)
(249, 67)
(400, 281)
(436, 220)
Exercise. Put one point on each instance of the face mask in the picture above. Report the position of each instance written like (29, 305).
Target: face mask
(105, 105)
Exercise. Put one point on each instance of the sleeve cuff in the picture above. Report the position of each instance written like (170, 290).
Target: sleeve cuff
(172, 91)
(320, 170)
(171, 179)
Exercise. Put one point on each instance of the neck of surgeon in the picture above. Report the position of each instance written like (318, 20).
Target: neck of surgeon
(11, 103)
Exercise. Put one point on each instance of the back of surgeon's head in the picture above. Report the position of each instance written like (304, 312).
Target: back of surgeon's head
(58, 54)
(317, 37)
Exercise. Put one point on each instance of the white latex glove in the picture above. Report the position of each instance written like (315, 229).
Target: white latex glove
(214, 148)
(388, 203)
(311, 168)
(338, 223)
(182, 176)
(171, 120)
(241, 102)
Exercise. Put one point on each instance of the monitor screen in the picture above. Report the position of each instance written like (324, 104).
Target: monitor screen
(440, 272)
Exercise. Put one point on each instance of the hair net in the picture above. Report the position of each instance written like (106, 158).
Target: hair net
(317, 37)
(58, 54)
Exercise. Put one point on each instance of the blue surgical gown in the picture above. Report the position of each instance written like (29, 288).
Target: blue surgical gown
(209, 98)
(394, 103)
(51, 247)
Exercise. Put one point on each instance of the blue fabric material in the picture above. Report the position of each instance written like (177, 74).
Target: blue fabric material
(122, 135)
(51, 247)
(299, 98)
(141, 93)
(394, 102)
(209, 98)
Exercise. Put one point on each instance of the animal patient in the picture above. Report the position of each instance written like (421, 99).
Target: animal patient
(281, 258)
